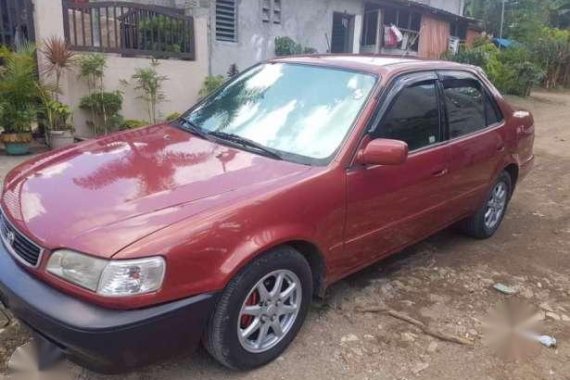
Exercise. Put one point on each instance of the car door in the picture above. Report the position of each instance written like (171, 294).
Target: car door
(389, 207)
(476, 138)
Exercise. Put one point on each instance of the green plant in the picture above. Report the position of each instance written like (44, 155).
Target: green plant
(173, 116)
(511, 70)
(59, 58)
(92, 69)
(132, 124)
(19, 91)
(150, 83)
(103, 105)
(55, 113)
(211, 84)
(163, 33)
(287, 46)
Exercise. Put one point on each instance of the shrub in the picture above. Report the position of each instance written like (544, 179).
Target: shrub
(19, 90)
(211, 84)
(173, 116)
(287, 46)
(106, 105)
(511, 70)
(132, 124)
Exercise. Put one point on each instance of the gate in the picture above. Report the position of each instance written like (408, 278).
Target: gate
(16, 22)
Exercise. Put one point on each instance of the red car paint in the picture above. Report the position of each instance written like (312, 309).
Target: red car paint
(209, 209)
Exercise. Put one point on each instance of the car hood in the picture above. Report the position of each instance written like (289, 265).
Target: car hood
(100, 196)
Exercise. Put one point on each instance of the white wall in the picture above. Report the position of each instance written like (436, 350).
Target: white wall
(185, 77)
(308, 22)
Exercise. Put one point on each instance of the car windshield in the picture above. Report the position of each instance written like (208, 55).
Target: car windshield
(291, 109)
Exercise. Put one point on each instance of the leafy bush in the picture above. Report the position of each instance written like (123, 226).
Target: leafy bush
(19, 90)
(511, 70)
(285, 46)
(551, 51)
(173, 116)
(132, 124)
(162, 33)
(105, 105)
(211, 84)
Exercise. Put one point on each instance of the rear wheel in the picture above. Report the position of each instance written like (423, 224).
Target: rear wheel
(486, 221)
(261, 311)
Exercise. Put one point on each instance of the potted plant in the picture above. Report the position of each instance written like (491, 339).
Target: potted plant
(57, 117)
(58, 58)
(18, 99)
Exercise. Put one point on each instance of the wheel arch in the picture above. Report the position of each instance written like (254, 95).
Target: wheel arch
(306, 247)
(513, 171)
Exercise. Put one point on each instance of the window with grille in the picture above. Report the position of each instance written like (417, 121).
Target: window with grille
(226, 20)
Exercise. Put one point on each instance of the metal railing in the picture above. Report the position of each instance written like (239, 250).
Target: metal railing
(129, 29)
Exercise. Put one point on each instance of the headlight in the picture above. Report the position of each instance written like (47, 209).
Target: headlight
(114, 278)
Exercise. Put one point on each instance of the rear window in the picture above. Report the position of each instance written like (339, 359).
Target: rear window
(465, 104)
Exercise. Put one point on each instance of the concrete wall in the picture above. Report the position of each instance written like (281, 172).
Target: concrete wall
(185, 77)
(307, 22)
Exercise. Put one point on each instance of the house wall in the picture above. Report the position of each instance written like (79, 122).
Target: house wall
(307, 22)
(434, 39)
(181, 89)
(453, 6)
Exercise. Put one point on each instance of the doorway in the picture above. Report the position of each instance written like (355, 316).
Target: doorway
(342, 33)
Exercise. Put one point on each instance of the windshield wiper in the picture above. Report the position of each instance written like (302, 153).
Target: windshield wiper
(246, 143)
(193, 128)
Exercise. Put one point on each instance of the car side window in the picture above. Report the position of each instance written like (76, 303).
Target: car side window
(492, 112)
(465, 104)
(413, 117)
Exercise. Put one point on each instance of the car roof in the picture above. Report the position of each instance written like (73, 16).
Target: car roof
(375, 64)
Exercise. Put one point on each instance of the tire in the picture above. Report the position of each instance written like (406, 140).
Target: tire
(245, 292)
(478, 225)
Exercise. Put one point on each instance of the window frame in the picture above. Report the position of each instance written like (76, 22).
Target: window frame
(466, 75)
(391, 96)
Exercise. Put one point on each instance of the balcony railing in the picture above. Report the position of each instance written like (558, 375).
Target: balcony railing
(129, 29)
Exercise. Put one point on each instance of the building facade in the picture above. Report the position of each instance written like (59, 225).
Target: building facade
(243, 32)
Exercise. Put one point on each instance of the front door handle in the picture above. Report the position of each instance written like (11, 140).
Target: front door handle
(440, 173)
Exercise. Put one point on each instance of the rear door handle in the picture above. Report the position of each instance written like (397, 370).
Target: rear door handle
(440, 173)
(501, 147)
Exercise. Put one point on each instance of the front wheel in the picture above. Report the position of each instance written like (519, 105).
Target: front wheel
(486, 221)
(261, 310)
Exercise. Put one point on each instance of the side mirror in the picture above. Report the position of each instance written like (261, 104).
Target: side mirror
(383, 152)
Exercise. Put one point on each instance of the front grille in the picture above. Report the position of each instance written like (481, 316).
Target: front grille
(18, 244)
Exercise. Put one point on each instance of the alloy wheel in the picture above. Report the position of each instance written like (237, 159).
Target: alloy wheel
(269, 311)
(496, 205)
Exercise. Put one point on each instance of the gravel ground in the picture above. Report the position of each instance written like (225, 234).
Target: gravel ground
(446, 283)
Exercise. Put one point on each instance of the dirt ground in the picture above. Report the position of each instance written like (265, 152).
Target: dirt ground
(445, 282)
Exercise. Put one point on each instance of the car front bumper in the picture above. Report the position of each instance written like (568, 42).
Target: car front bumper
(101, 339)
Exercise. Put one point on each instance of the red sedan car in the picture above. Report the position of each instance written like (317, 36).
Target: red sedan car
(222, 226)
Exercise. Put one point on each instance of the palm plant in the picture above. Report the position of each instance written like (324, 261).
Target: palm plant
(19, 95)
